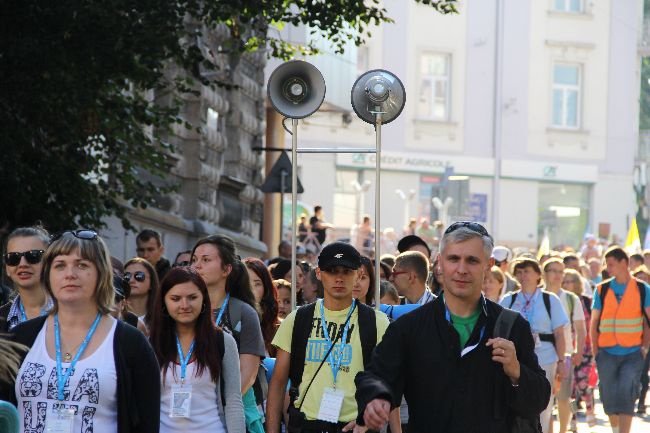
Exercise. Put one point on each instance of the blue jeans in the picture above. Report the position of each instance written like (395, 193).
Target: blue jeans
(619, 381)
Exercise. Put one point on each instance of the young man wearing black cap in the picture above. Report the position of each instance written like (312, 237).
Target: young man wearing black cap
(322, 381)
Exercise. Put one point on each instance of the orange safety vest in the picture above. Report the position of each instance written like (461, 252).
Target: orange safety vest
(621, 323)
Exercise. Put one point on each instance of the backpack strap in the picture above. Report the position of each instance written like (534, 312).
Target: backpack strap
(513, 298)
(641, 285)
(547, 304)
(300, 334)
(367, 332)
(221, 346)
(505, 321)
(604, 288)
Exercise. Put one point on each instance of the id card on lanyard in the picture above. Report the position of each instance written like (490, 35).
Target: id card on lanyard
(182, 394)
(61, 419)
(332, 400)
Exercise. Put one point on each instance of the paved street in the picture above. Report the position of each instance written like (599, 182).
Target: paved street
(640, 424)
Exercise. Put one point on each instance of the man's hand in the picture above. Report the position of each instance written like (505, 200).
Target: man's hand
(376, 414)
(504, 352)
(561, 372)
(352, 426)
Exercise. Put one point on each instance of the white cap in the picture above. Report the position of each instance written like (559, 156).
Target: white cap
(501, 254)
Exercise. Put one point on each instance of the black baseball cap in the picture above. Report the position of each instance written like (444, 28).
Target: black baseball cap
(339, 254)
(409, 241)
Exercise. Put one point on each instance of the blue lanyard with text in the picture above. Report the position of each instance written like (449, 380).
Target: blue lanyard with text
(467, 349)
(222, 309)
(61, 379)
(335, 365)
(23, 316)
(184, 359)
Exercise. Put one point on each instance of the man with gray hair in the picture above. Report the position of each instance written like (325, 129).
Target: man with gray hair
(474, 380)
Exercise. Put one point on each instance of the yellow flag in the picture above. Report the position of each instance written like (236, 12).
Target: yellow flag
(544, 246)
(633, 241)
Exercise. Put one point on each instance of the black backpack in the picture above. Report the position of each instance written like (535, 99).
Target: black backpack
(502, 328)
(302, 330)
(547, 304)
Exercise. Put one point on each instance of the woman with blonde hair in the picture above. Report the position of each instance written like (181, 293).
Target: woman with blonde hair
(493, 284)
(85, 370)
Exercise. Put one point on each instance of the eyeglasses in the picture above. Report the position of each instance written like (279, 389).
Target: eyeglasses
(85, 234)
(138, 276)
(554, 271)
(32, 256)
(396, 273)
(181, 264)
(475, 227)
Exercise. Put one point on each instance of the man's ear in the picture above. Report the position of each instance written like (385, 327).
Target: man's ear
(318, 274)
(491, 262)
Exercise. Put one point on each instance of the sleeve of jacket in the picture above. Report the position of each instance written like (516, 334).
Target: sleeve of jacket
(532, 395)
(145, 376)
(384, 377)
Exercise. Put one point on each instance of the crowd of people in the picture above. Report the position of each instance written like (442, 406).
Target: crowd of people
(209, 341)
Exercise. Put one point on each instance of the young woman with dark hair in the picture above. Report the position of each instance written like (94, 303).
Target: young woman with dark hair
(23, 264)
(143, 279)
(266, 295)
(233, 307)
(364, 288)
(192, 364)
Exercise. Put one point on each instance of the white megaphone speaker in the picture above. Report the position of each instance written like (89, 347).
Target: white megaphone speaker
(378, 97)
(296, 89)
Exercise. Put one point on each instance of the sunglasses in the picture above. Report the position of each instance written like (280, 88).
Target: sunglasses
(85, 234)
(475, 227)
(138, 276)
(181, 264)
(396, 273)
(32, 256)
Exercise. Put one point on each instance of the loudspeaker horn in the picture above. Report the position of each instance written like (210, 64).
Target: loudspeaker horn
(378, 91)
(296, 89)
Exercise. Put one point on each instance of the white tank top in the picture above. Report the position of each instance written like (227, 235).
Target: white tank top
(204, 412)
(90, 391)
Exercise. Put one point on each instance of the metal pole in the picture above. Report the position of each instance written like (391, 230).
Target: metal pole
(294, 206)
(283, 188)
(377, 207)
(498, 115)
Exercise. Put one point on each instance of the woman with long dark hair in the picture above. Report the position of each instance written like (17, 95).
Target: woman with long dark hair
(364, 288)
(143, 279)
(266, 295)
(232, 305)
(199, 364)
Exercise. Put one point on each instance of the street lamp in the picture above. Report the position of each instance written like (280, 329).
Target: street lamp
(407, 197)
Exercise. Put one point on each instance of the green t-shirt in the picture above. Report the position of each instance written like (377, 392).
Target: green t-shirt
(464, 325)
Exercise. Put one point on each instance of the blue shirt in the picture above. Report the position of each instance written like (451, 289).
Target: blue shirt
(619, 290)
(539, 321)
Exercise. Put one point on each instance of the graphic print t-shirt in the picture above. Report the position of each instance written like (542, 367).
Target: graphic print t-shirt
(317, 347)
(90, 391)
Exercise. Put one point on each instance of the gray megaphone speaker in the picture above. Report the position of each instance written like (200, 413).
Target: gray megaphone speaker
(296, 89)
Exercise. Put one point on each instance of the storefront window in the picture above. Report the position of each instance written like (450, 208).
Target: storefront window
(564, 212)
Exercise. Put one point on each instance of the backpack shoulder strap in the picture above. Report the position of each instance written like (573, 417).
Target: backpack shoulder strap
(504, 323)
(513, 298)
(367, 331)
(641, 285)
(299, 336)
(547, 303)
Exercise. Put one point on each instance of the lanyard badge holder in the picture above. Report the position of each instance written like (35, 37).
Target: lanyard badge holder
(61, 420)
(182, 394)
(332, 400)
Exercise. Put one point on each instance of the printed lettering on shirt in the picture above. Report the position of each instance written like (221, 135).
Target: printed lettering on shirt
(317, 346)
(31, 385)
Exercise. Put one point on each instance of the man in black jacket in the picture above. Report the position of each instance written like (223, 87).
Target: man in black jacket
(455, 375)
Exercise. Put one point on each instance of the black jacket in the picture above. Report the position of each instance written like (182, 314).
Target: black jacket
(138, 376)
(162, 267)
(419, 356)
(4, 313)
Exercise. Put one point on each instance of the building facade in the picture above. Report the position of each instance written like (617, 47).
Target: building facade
(523, 112)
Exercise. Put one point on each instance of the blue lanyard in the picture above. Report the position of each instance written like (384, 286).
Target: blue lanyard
(60, 377)
(528, 307)
(184, 360)
(464, 351)
(23, 316)
(222, 309)
(335, 365)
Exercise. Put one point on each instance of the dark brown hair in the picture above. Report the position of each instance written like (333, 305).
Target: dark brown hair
(370, 270)
(154, 284)
(269, 303)
(163, 327)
